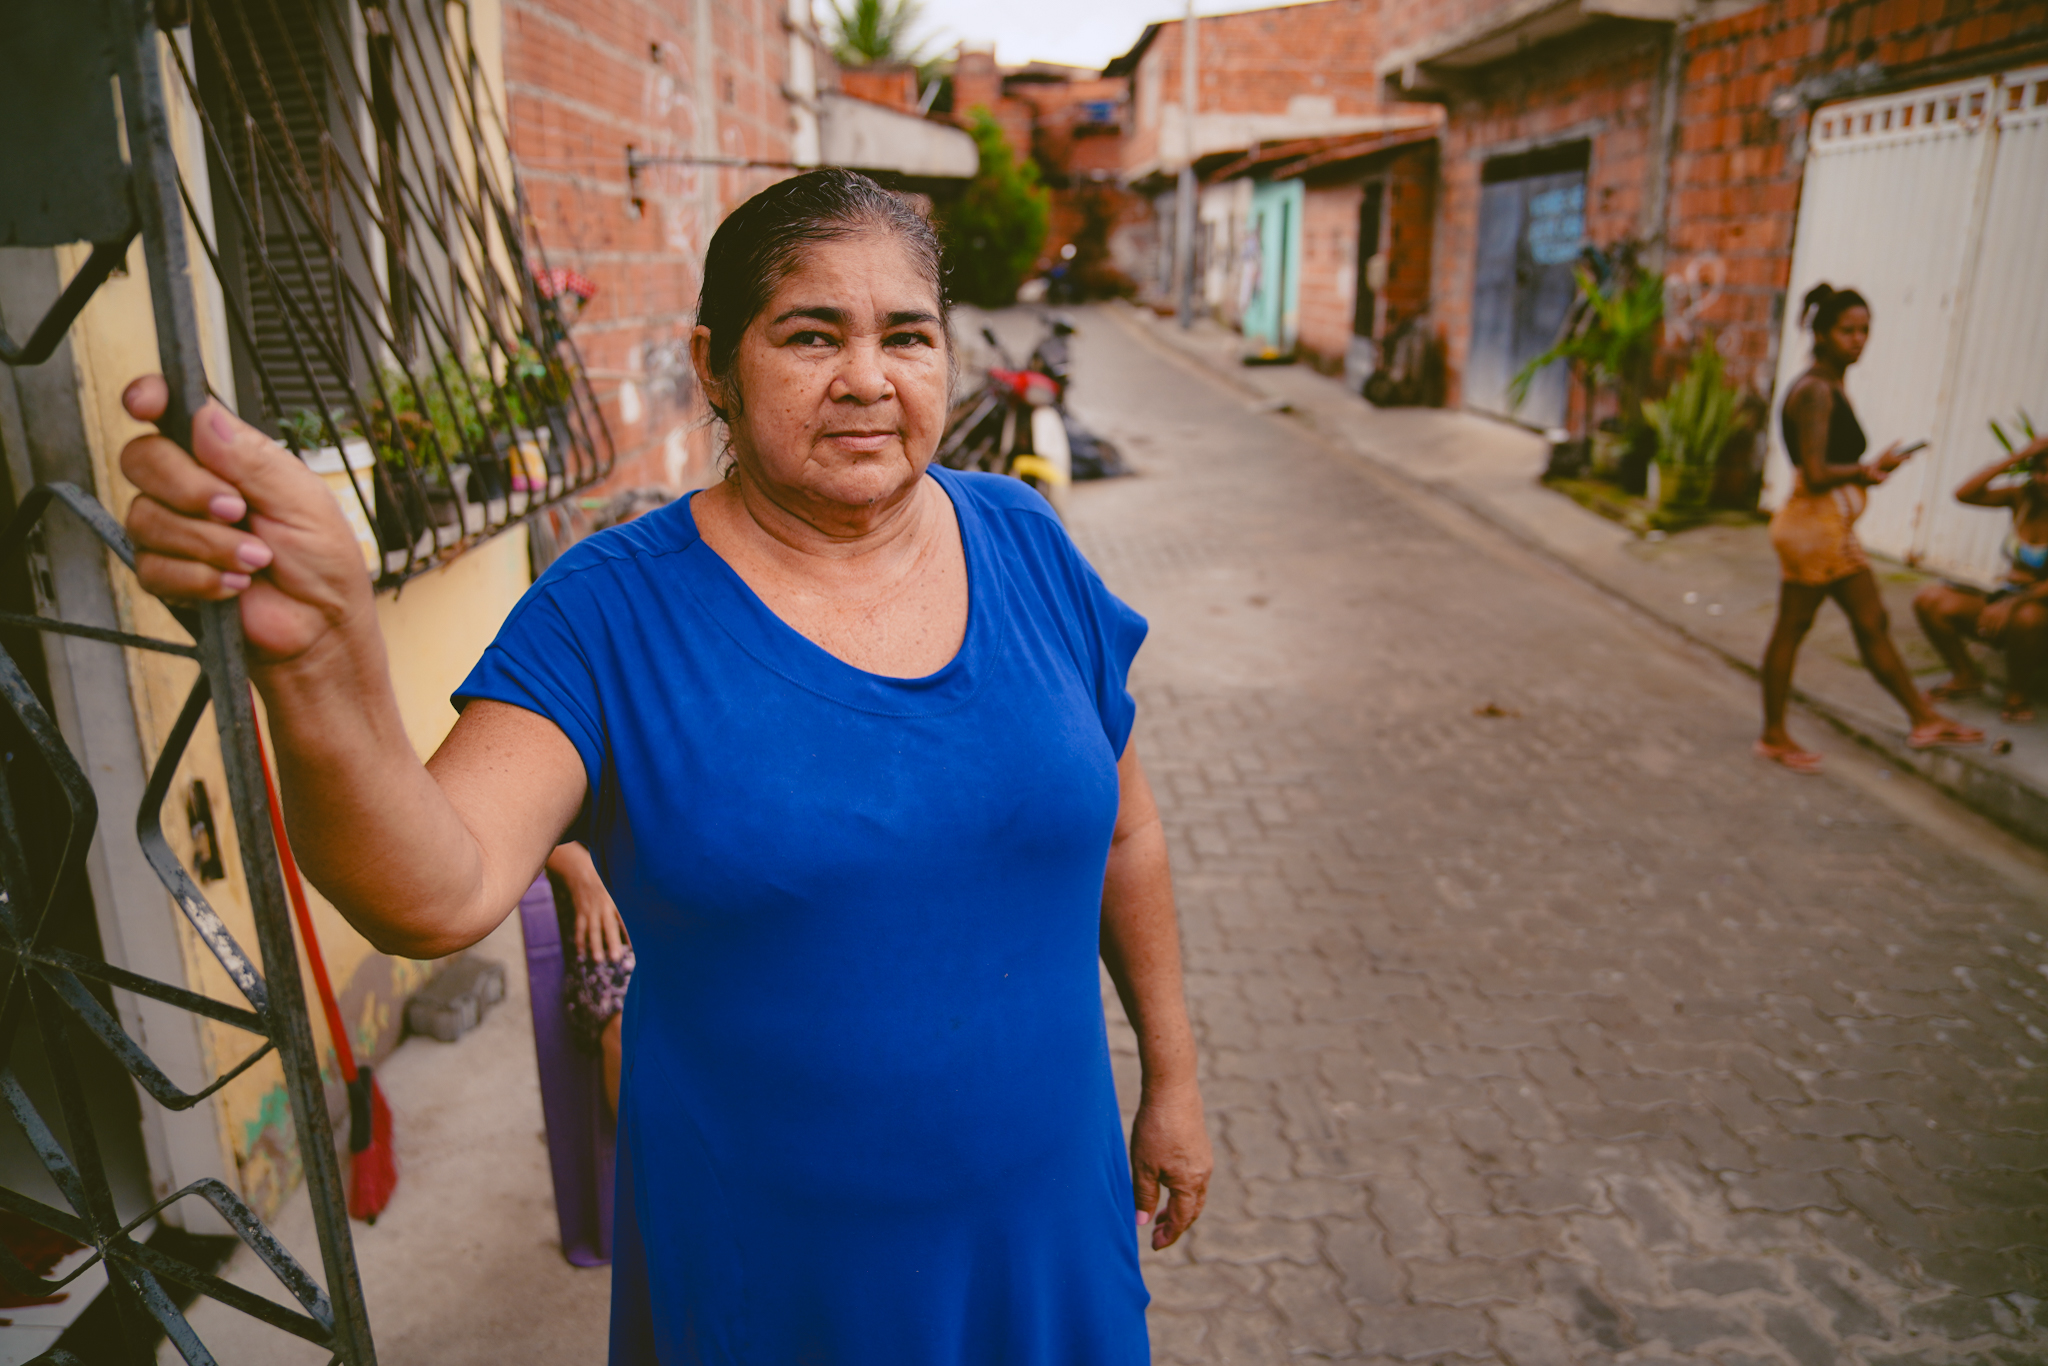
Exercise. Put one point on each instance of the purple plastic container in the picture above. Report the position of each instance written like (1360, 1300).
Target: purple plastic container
(582, 1142)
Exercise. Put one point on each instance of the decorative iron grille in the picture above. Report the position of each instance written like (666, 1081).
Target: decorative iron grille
(93, 72)
(389, 319)
(358, 239)
(46, 984)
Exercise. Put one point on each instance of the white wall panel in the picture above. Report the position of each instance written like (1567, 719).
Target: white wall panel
(2002, 361)
(1885, 209)
(1934, 204)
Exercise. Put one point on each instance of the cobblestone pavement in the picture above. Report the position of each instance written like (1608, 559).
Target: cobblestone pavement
(1541, 1023)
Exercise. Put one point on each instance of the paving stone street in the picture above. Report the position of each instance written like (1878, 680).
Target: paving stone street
(1541, 1022)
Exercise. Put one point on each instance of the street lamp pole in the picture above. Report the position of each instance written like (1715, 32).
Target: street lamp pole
(1184, 198)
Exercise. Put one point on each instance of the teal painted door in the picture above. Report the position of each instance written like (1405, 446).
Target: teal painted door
(1272, 313)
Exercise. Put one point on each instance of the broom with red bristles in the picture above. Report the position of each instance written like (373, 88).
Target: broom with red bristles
(372, 1166)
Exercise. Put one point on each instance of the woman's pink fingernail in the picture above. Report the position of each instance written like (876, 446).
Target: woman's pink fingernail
(253, 554)
(1143, 1217)
(128, 394)
(223, 427)
(235, 583)
(227, 507)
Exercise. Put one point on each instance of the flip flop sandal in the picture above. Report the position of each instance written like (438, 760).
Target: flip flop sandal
(1801, 761)
(1946, 735)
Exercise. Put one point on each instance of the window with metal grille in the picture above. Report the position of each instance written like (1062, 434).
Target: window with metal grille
(384, 299)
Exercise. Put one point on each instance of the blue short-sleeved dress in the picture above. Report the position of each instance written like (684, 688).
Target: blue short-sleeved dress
(867, 1117)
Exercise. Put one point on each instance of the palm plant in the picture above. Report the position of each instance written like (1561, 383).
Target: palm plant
(2011, 446)
(1609, 335)
(869, 32)
(1694, 422)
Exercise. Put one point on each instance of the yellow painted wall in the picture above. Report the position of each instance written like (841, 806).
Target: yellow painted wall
(435, 627)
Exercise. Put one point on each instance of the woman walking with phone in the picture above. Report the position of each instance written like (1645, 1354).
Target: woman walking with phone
(1814, 534)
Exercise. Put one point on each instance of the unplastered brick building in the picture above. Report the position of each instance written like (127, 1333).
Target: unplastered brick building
(636, 126)
(1750, 149)
(1301, 158)
(615, 108)
(1077, 119)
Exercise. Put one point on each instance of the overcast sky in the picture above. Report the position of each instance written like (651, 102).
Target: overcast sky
(1077, 32)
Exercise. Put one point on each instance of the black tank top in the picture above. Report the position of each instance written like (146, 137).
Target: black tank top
(1846, 442)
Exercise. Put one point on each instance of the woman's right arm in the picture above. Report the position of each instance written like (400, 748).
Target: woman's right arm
(1810, 406)
(422, 859)
(1977, 490)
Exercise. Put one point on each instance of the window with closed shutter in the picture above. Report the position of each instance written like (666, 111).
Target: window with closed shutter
(382, 293)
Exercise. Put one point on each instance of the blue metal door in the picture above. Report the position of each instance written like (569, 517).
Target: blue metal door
(1531, 229)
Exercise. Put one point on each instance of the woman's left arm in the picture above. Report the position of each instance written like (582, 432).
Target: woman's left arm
(1141, 949)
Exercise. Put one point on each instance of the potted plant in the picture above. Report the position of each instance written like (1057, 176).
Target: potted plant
(1694, 423)
(534, 403)
(335, 449)
(424, 430)
(1609, 337)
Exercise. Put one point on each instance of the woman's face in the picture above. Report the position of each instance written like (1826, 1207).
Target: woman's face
(842, 380)
(1850, 334)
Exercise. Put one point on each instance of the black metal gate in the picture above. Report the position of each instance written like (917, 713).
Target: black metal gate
(355, 219)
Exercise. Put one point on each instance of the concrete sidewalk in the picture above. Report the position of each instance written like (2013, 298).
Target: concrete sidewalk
(465, 1268)
(1717, 585)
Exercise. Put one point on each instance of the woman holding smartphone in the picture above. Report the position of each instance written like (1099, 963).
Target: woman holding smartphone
(1814, 534)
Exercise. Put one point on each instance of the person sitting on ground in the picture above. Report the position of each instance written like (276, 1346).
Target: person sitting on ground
(599, 966)
(1814, 534)
(2013, 617)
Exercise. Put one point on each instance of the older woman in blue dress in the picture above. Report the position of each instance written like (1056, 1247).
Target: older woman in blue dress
(847, 736)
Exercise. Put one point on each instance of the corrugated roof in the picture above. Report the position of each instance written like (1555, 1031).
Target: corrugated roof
(1284, 160)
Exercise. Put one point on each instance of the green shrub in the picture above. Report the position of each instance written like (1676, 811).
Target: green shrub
(868, 32)
(993, 233)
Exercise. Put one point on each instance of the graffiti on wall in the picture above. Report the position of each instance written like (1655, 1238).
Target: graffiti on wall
(1690, 293)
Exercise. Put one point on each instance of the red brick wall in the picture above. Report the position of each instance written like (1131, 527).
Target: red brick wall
(978, 83)
(1257, 61)
(1405, 23)
(1078, 156)
(1600, 89)
(1735, 184)
(1065, 141)
(1407, 235)
(1329, 248)
(1734, 173)
(585, 79)
(894, 86)
(1329, 261)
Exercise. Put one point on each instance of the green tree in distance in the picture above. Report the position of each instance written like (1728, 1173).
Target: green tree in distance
(992, 234)
(878, 31)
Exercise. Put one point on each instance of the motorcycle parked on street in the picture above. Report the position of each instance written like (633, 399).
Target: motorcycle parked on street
(1016, 422)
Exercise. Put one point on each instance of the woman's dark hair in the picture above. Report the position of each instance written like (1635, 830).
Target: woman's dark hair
(1824, 306)
(767, 238)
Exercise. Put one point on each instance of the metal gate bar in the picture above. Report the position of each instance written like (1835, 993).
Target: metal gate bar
(47, 983)
(446, 364)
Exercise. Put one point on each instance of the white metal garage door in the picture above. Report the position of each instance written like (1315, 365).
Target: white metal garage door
(1933, 203)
